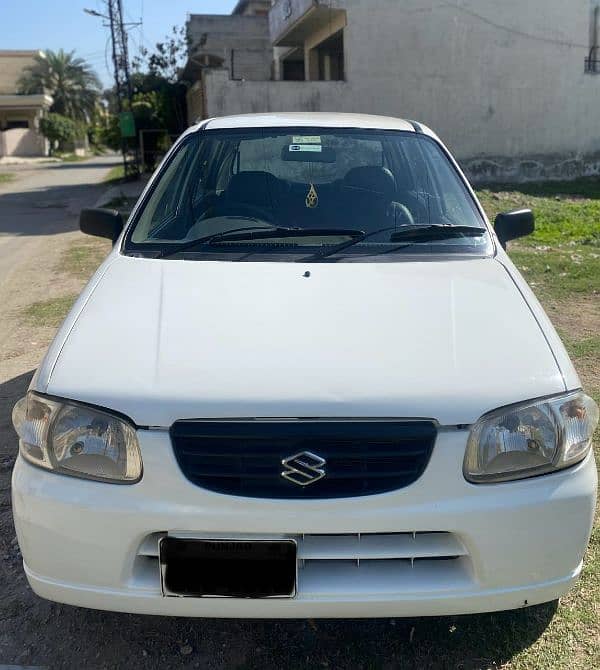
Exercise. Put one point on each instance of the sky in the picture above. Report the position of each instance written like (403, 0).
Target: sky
(56, 24)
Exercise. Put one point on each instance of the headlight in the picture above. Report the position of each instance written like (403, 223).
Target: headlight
(531, 438)
(77, 440)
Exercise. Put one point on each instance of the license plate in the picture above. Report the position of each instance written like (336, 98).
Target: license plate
(228, 568)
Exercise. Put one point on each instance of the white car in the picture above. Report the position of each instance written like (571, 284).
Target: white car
(307, 382)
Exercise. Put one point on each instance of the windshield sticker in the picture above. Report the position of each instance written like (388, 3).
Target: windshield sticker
(312, 199)
(306, 147)
(306, 139)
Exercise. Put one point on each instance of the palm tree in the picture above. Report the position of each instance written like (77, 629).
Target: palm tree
(71, 82)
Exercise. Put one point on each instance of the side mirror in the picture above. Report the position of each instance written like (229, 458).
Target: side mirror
(101, 223)
(511, 225)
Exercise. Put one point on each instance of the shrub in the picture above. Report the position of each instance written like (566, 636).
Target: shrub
(58, 130)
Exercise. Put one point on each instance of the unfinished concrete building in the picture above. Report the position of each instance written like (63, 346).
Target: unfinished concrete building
(238, 45)
(509, 85)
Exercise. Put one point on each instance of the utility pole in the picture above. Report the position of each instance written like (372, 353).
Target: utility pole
(123, 88)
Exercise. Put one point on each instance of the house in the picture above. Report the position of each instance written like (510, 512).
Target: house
(239, 44)
(20, 114)
(511, 85)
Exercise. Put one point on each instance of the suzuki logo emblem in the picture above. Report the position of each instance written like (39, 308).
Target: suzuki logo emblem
(303, 468)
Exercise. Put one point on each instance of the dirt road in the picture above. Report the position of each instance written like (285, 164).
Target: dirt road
(38, 219)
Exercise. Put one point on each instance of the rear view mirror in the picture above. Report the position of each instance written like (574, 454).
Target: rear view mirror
(512, 225)
(101, 223)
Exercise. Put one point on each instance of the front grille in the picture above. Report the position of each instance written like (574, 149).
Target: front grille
(244, 458)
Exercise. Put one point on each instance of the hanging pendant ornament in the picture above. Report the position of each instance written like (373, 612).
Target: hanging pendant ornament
(312, 199)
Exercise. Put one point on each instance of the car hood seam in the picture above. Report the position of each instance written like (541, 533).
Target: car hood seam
(66, 335)
(539, 325)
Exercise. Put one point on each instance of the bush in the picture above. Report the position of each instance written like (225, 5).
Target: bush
(58, 130)
(110, 134)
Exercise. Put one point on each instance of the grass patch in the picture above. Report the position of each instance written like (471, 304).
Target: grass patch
(560, 272)
(6, 177)
(71, 158)
(566, 212)
(49, 313)
(585, 349)
(81, 260)
(115, 174)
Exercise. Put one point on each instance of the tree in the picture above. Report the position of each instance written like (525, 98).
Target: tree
(70, 81)
(159, 71)
(57, 129)
(158, 102)
(168, 58)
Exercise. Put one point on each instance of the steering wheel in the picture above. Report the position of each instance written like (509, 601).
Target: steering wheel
(401, 215)
(249, 211)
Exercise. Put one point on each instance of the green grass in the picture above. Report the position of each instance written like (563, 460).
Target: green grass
(6, 177)
(566, 212)
(585, 349)
(562, 257)
(71, 158)
(79, 260)
(559, 272)
(82, 259)
(116, 174)
(49, 313)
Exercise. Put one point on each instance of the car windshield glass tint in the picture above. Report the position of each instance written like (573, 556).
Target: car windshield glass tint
(314, 180)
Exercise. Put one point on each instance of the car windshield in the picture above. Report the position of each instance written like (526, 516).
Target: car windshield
(314, 193)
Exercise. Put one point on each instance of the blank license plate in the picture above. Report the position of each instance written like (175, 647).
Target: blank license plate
(228, 568)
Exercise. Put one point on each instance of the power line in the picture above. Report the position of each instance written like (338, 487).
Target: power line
(120, 62)
(142, 39)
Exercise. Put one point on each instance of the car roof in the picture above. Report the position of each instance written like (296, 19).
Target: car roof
(316, 119)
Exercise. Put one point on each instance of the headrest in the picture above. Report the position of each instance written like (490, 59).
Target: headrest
(371, 178)
(252, 186)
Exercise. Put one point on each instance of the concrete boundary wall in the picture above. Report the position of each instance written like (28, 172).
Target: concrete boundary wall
(224, 96)
(21, 142)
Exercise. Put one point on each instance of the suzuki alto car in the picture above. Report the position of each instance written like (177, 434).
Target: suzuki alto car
(306, 382)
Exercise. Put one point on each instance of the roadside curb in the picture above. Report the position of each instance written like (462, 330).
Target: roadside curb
(130, 190)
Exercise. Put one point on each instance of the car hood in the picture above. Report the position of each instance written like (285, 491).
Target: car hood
(161, 340)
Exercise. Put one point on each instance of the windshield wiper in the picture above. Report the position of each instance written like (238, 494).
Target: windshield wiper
(170, 251)
(344, 245)
(435, 231)
(411, 234)
(430, 234)
(260, 233)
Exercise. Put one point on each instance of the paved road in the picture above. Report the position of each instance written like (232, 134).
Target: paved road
(45, 200)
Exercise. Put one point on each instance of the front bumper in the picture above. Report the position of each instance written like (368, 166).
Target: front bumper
(522, 543)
